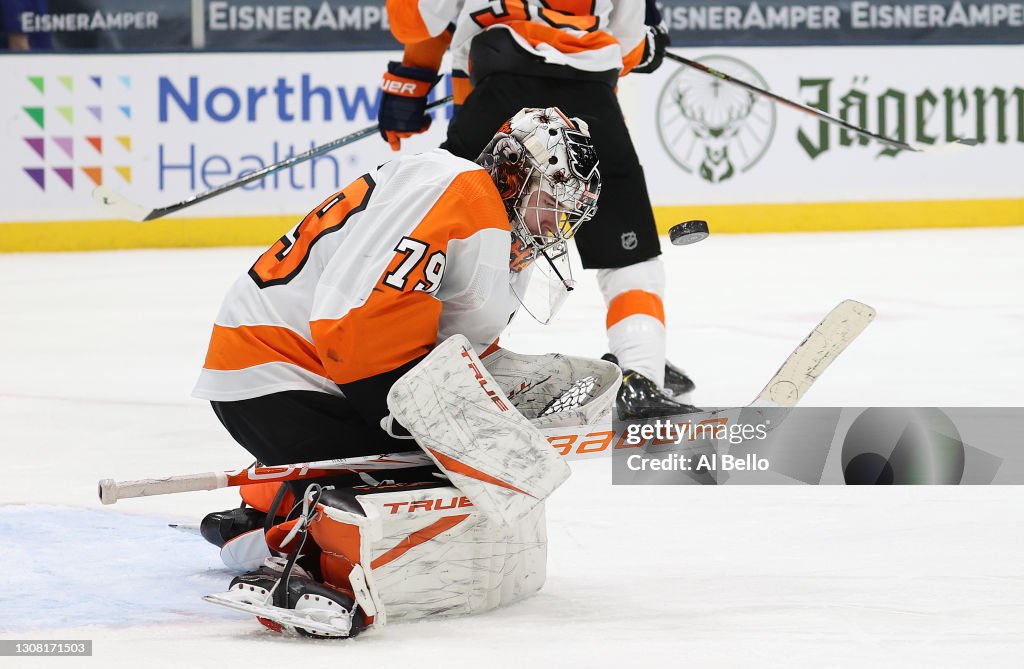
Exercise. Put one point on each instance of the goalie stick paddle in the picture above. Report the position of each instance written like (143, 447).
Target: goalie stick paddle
(120, 207)
(787, 387)
(888, 141)
(815, 353)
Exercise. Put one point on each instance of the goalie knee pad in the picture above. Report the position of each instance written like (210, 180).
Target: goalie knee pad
(420, 549)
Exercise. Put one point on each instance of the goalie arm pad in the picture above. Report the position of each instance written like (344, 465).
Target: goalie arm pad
(461, 418)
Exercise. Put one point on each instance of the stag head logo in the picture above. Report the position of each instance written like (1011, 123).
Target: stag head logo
(712, 128)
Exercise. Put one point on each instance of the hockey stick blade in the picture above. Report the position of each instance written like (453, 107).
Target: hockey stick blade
(815, 353)
(118, 206)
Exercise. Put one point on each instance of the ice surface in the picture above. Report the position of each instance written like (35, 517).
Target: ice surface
(74, 567)
(100, 351)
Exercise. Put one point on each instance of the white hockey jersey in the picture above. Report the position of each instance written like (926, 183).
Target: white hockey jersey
(589, 35)
(371, 279)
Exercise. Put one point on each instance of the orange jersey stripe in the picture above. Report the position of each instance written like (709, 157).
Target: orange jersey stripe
(394, 326)
(632, 59)
(536, 33)
(383, 334)
(582, 8)
(416, 538)
(635, 302)
(562, 15)
(233, 348)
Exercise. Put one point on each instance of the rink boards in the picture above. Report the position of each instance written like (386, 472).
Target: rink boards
(161, 127)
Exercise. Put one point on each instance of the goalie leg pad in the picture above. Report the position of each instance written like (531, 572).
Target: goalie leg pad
(420, 550)
(469, 428)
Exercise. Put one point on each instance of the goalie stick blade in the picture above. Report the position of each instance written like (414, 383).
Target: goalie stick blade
(118, 206)
(815, 353)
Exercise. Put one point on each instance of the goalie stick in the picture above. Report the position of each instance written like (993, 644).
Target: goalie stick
(786, 388)
(894, 143)
(123, 208)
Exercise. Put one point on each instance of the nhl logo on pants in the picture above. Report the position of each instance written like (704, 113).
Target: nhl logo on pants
(629, 240)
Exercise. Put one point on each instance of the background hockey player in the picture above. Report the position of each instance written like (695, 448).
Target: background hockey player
(568, 54)
(309, 343)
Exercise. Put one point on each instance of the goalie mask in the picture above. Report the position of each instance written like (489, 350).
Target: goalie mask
(546, 170)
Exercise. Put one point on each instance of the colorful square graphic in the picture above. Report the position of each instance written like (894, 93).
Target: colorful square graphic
(63, 135)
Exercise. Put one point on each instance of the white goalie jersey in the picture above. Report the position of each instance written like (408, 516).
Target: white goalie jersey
(371, 279)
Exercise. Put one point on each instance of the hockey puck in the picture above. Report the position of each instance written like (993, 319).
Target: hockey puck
(689, 232)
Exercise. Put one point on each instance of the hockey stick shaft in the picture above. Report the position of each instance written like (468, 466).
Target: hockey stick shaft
(801, 369)
(578, 442)
(895, 143)
(111, 491)
(573, 443)
(108, 198)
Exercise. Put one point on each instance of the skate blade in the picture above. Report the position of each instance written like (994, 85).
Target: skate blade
(334, 625)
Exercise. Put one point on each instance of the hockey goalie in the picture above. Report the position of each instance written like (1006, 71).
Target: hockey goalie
(372, 328)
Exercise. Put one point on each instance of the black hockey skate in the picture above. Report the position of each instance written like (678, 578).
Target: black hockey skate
(640, 397)
(307, 608)
(677, 384)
